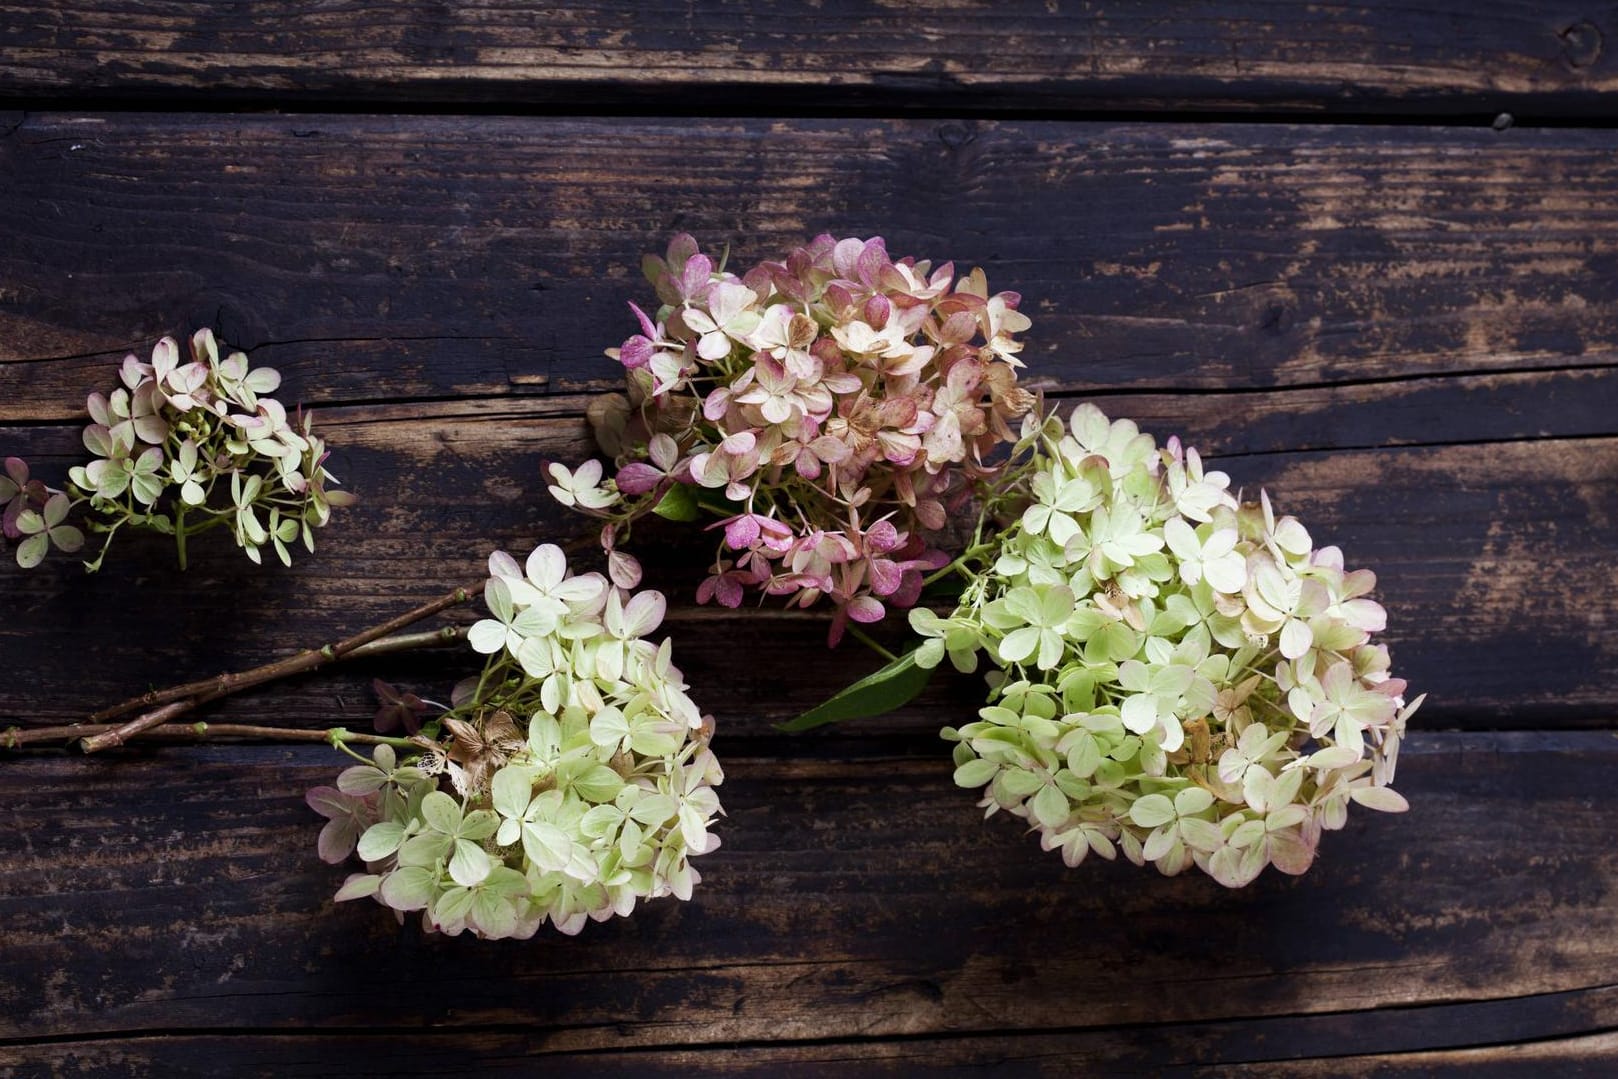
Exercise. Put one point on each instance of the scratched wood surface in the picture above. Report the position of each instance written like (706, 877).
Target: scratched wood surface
(1378, 56)
(1405, 331)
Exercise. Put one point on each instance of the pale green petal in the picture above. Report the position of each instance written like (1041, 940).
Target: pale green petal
(1151, 810)
(1019, 644)
(470, 863)
(408, 888)
(1384, 799)
(441, 812)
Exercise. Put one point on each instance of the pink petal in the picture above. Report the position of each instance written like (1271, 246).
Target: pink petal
(741, 532)
(694, 276)
(882, 537)
(866, 609)
(885, 577)
(637, 477)
(635, 352)
(646, 325)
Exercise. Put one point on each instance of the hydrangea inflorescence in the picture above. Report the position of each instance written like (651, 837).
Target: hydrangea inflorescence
(831, 408)
(169, 444)
(578, 770)
(1179, 675)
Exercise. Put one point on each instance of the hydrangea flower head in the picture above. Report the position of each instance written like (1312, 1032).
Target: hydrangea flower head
(1178, 675)
(179, 448)
(831, 408)
(574, 781)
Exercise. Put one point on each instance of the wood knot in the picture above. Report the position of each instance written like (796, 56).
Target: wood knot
(1581, 43)
(955, 136)
(1276, 317)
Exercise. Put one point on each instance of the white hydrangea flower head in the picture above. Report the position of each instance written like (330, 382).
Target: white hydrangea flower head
(575, 782)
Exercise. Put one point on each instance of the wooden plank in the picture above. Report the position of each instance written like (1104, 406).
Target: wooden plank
(392, 258)
(176, 892)
(788, 55)
(1314, 1045)
(1496, 563)
(1593, 1055)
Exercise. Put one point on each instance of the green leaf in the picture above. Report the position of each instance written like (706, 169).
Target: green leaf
(361, 779)
(1017, 782)
(653, 743)
(875, 694)
(426, 849)
(654, 809)
(608, 727)
(67, 538)
(679, 504)
(546, 845)
(479, 825)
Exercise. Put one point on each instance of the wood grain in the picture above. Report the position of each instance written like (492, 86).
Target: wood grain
(403, 258)
(784, 56)
(1193, 1049)
(176, 891)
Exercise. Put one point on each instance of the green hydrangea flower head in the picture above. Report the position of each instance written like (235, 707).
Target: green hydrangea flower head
(1176, 674)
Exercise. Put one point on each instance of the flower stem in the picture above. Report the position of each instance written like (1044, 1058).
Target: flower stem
(179, 536)
(182, 698)
(866, 639)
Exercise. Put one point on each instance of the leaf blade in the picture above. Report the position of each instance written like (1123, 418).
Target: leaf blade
(876, 694)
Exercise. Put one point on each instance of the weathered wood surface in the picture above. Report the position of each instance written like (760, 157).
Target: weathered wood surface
(783, 56)
(425, 257)
(1106, 1053)
(1279, 295)
(1406, 333)
(857, 902)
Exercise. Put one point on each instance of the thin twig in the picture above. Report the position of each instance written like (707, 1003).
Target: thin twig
(398, 643)
(177, 700)
(17, 737)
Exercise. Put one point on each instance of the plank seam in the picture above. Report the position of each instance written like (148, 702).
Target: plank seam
(1063, 395)
(313, 1035)
(746, 101)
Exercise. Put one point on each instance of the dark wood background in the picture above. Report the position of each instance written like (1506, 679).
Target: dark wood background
(1296, 234)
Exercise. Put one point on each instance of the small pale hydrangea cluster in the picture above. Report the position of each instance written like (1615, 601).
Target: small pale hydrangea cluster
(830, 408)
(1179, 675)
(571, 780)
(169, 445)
